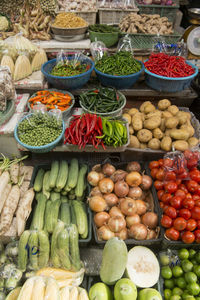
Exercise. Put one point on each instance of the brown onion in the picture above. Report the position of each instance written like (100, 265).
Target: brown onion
(116, 224)
(118, 175)
(101, 218)
(95, 191)
(123, 234)
(141, 207)
(106, 185)
(101, 175)
(138, 232)
(121, 188)
(97, 203)
(143, 197)
(135, 192)
(150, 219)
(151, 234)
(134, 178)
(104, 233)
(108, 169)
(115, 211)
(93, 178)
(111, 199)
(128, 206)
(146, 182)
(133, 166)
(131, 220)
(96, 168)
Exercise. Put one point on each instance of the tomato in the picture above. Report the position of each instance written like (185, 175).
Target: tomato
(160, 174)
(188, 237)
(160, 161)
(185, 213)
(197, 236)
(176, 202)
(154, 172)
(178, 181)
(191, 225)
(195, 175)
(188, 203)
(179, 224)
(180, 193)
(183, 188)
(197, 202)
(196, 213)
(168, 163)
(161, 204)
(158, 185)
(183, 175)
(166, 198)
(198, 190)
(188, 154)
(172, 234)
(160, 193)
(165, 207)
(166, 221)
(171, 187)
(171, 212)
(191, 185)
(170, 175)
(198, 224)
(195, 197)
(153, 164)
(192, 163)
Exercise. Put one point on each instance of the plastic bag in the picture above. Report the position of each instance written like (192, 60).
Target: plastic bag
(76, 6)
(7, 88)
(22, 45)
(98, 49)
(169, 257)
(130, 4)
(125, 44)
(178, 49)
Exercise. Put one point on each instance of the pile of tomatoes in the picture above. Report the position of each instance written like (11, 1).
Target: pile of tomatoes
(177, 181)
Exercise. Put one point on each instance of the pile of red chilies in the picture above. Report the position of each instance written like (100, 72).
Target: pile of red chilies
(168, 66)
(83, 130)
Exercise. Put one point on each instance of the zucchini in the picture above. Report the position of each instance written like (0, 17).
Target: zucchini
(38, 217)
(56, 190)
(65, 215)
(47, 214)
(23, 250)
(63, 192)
(81, 218)
(33, 250)
(72, 213)
(53, 174)
(55, 260)
(44, 248)
(62, 175)
(63, 248)
(79, 190)
(72, 197)
(63, 199)
(53, 215)
(46, 188)
(38, 180)
(74, 248)
(73, 175)
(54, 196)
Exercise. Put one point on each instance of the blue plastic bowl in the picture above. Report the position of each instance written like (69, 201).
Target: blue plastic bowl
(66, 82)
(119, 82)
(38, 149)
(169, 84)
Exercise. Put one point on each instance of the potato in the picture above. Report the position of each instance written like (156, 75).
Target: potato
(143, 105)
(144, 135)
(167, 132)
(164, 104)
(134, 143)
(179, 134)
(152, 123)
(166, 143)
(149, 108)
(188, 114)
(132, 111)
(143, 146)
(127, 117)
(180, 145)
(131, 130)
(166, 114)
(189, 128)
(155, 113)
(162, 124)
(182, 117)
(154, 144)
(137, 122)
(171, 122)
(157, 133)
(173, 109)
(192, 141)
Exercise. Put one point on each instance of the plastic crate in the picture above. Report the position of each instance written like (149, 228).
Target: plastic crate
(88, 16)
(113, 16)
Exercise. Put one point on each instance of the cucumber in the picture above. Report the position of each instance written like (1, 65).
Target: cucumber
(63, 199)
(45, 187)
(63, 248)
(56, 190)
(44, 248)
(74, 247)
(55, 260)
(63, 192)
(72, 213)
(54, 196)
(65, 213)
(33, 250)
(79, 190)
(72, 192)
(38, 216)
(37, 196)
(46, 215)
(72, 175)
(38, 180)
(53, 174)
(23, 250)
(62, 175)
(81, 217)
(72, 197)
(53, 215)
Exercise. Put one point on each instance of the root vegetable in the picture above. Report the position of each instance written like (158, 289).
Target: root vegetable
(97, 203)
(116, 224)
(150, 219)
(133, 166)
(95, 191)
(106, 185)
(128, 206)
(141, 207)
(14, 173)
(104, 233)
(115, 211)
(108, 169)
(123, 234)
(121, 188)
(24, 187)
(97, 168)
(146, 182)
(135, 192)
(4, 179)
(131, 220)
(134, 179)
(118, 175)
(93, 178)
(111, 199)
(138, 232)
(101, 175)
(151, 234)
(101, 218)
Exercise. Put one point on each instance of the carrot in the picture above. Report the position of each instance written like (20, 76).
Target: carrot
(42, 93)
(36, 98)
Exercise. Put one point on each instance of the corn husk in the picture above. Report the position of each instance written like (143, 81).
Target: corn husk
(22, 67)
(8, 62)
(38, 60)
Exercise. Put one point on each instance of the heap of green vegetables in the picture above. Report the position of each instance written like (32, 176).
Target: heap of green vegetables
(39, 129)
(101, 100)
(120, 64)
(103, 28)
(69, 68)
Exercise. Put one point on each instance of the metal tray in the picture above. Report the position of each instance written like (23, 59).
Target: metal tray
(69, 31)
(69, 38)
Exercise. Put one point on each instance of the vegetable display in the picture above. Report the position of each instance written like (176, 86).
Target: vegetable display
(69, 20)
(103, 28)
(122, 202)
(177, 183)
(69, 69)
(168, 66)
(119, 64)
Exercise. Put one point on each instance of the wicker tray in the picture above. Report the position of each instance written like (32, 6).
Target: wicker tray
(113, 16)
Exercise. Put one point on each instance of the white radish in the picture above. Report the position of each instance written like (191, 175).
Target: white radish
(23, 188)
(14, 173)
(12, 231)
(24, 210)
(9, 209)
(26, 171)
(6, 192)
(4, 179)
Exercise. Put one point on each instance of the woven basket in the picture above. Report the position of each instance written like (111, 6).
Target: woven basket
(113, 16)
(88, 16)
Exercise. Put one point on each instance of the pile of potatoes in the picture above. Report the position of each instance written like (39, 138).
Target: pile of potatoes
(165, 127)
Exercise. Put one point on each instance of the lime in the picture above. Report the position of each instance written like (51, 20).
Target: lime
(186, 265)
(196, 270)
(185, 294)
(164, 260)
(197, 298)
(190, 277)
(197, 257)
(193, 288)
(183, 253)
(189, 297)
(193, 261)
(192, 253)
(181, 282)
(166, 272)
(169, 283)
(177, 271)
(167, 294)
(175, 297)
(177, 291)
